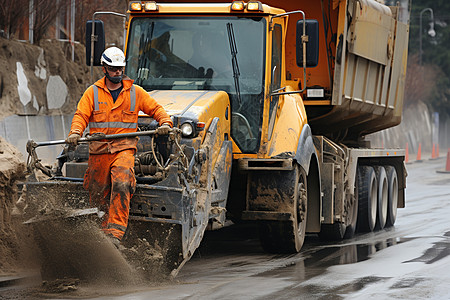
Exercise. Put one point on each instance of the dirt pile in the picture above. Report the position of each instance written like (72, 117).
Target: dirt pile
(40, 63)
(12, 168)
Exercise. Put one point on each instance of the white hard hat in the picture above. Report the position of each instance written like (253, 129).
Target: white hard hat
(113, 57)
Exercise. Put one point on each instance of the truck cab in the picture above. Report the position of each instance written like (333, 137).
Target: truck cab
(232, 47)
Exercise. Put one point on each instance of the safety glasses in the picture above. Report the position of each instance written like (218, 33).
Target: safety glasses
(114, 69)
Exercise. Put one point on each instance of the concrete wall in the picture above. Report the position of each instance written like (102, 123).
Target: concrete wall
(17, 130)
(418, 126)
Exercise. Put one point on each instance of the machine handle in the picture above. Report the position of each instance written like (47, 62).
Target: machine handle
(96, 137)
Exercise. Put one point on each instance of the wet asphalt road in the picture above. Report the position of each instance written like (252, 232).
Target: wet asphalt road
(409, 261)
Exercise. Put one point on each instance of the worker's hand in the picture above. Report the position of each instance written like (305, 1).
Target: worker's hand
(163, 129)
(73, 139)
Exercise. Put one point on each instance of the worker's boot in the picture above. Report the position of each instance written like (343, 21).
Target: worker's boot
(116, 242)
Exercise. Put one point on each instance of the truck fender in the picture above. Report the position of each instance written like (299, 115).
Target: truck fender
(306, 157)
(305, 149)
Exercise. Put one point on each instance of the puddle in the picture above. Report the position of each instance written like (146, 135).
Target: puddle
(357, 285)
(439, 251)
(407, 283)
(348, 254)
(318, 261)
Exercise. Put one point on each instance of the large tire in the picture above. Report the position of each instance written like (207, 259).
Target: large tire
(392, 195)
(288, 237)
(352, 210)
(346, 229)
(301, 208)
(382, 198)
(367, 196)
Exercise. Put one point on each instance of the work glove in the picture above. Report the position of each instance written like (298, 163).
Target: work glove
(73, 139)
(163, 129)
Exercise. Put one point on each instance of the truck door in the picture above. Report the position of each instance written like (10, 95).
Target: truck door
(275, 73)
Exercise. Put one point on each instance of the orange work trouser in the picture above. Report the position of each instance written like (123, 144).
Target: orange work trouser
(111, 184)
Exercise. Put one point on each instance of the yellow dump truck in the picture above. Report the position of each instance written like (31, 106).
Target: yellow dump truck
(271, 104)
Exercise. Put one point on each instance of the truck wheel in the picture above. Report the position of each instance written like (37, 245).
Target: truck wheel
(301, 210)
(288, 237)
(367, 196)
(392, 183)
(382, 210)
(352, 210)
(337, 231)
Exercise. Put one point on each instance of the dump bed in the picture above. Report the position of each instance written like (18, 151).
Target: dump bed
(362, 65)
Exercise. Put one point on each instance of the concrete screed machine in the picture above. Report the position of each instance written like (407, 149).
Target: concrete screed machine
(270, 109)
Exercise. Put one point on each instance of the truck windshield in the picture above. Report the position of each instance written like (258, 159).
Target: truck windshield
(178, 53)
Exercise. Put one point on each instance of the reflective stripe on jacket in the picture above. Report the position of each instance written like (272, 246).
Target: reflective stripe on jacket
(97, 108)
(98, 122)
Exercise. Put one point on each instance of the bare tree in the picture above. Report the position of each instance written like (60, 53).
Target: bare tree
(420, 81)
(12, 14)
(45, 12)
(86, 9)
(15, 13)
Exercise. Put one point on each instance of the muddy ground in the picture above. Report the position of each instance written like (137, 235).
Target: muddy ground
(12, 169)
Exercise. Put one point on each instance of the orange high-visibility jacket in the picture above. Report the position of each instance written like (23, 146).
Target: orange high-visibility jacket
(108, 117)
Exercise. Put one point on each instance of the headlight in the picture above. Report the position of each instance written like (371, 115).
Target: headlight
(255, 6)
(135, 6)
(150, 6)
(237, 5)
(187, 129)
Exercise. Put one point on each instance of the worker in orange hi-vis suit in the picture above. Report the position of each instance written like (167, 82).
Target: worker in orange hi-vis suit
(111, 106)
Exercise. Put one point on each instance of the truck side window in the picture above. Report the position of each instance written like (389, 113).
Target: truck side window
(275, 72)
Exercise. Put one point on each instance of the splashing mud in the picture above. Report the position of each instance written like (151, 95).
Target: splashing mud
(12, 168)
(77, 248)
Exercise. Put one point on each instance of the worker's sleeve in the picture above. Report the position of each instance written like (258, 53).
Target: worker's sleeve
(84, 111)
(149, 106)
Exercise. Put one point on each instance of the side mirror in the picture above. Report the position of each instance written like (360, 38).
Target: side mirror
(99, 43)
(312, 46)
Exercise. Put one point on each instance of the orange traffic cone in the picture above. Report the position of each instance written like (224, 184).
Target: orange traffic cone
(447, 165)
(419, 153)
(433, 152)
(406, 154)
